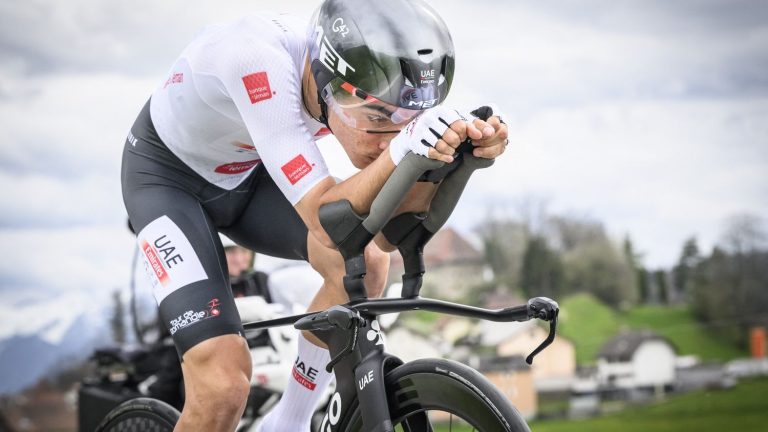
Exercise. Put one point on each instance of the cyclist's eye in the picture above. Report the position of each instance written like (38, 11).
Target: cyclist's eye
(376, 118)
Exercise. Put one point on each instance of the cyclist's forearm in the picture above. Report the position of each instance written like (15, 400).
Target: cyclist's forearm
(361, 189)
(417, 201)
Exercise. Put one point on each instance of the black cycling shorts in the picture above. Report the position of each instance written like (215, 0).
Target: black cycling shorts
(177, 214)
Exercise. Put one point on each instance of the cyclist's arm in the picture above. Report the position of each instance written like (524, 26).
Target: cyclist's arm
(359, 190)
(417, 201)
(266, 90)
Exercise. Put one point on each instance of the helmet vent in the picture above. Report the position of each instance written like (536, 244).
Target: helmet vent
(425, 55)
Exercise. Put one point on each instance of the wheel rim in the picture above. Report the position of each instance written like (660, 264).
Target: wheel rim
(140, 422)
(436, 421)
(415, 395)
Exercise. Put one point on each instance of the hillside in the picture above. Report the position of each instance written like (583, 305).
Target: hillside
(589, 323)
(742, 408)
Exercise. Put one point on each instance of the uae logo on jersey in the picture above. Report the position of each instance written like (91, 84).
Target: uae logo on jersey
(257, 86)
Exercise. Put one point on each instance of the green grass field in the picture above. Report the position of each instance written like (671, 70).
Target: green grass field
(743, 408)
(589, 323)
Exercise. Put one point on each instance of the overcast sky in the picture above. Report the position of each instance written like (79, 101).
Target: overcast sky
(648, 115)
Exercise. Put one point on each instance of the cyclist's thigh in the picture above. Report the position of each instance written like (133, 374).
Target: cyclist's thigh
(184, 260)
(269, 224)
(181, 250)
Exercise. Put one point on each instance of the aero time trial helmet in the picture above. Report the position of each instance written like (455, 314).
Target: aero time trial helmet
(377, 64)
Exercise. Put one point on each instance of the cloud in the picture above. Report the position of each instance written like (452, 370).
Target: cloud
(136, 38)
(537, 55)
(660, 171)
(68, 125)
(89, 259)
(42, 201)
(649, 116)
(658, 17)
(61, 149)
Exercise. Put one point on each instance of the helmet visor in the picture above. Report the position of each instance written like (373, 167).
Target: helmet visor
(362, 111)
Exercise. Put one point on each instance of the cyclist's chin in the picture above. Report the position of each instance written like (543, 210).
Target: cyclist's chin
(361, 161)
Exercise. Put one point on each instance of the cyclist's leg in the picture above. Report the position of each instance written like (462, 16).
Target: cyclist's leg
(270, 225)
(185, 261)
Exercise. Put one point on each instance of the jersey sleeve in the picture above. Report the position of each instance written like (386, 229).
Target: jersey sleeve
(265, 86)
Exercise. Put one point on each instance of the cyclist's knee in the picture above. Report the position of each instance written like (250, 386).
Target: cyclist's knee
(217, 375)
(327, 262)
(377, 267)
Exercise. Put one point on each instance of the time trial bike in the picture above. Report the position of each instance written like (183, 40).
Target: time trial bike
(376, 391)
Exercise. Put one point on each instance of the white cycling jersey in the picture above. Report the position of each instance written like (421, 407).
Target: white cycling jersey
(233, 100)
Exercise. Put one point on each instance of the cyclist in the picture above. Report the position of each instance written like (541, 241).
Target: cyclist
(227, 143)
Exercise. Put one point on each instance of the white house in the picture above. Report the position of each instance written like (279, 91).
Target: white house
(636, 360)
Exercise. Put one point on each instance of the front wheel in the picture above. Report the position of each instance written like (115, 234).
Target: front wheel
(140, 414)
(435, 395)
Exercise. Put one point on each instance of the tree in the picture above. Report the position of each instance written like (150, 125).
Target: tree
(643, 285)
(503, 246)
(542, 270)
(634, 260)
(729, 288)
(571, 232)
(682, 272)
(744, 233)
(117, 321)
(660, 279)
(599, 268)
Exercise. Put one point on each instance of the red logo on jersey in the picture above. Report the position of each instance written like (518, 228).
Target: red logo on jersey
(257, 86)
(296, 169)
(236, 167)
(243, 147)
(323, 132)
(176, 78)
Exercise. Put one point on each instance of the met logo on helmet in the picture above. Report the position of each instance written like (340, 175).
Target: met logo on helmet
(328, 56)
(422, 104)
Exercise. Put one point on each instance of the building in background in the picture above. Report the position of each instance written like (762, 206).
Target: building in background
(636, 363)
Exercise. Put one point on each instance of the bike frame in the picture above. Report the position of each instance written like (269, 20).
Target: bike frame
(360, 372)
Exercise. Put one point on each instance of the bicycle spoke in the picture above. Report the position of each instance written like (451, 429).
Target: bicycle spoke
(418, 422)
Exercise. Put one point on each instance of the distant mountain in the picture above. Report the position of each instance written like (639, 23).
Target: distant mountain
(25, 358)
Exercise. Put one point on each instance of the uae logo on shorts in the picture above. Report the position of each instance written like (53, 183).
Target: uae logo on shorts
(257, 86)
(296, 169)
(169, 258)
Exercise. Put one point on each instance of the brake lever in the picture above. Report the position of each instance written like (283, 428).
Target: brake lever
(548, 341)
(349, 349)
(544, 309)
(336, 317)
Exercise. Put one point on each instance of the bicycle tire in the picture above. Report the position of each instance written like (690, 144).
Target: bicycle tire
(448, 386)
(140, 415)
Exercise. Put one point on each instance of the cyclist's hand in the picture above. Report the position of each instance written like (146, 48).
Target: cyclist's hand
(490, 137)
(434, 134)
